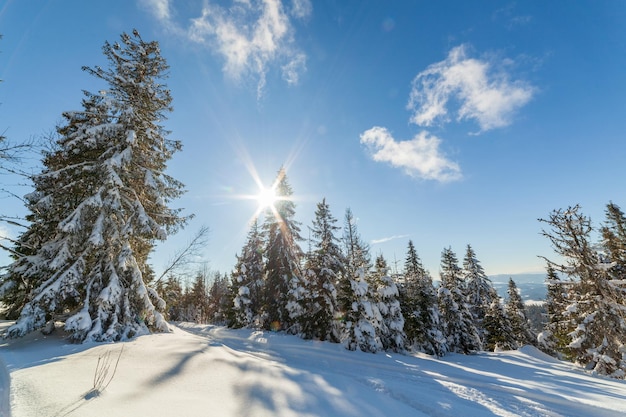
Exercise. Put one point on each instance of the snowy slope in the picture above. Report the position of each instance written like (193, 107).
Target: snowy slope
(212, 371)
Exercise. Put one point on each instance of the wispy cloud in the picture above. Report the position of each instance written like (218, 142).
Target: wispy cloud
(160, 9)
(419, 157)
(482, 89)
(301, 9)
(510, 18)
(251, 36)
(292, 69)
(387, 239)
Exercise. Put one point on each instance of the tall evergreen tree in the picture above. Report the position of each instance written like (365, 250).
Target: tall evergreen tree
(363, 318)
(597, 341)
(99, 204)
(247, 280)
(478, 288)
(356, 249)
(355, 298)
(498, 333)
(614, 238)
(326, 268)
(516, 313)
(554, 337)
(172, 293)
(197, 299)
(391, 324)
(357, 261)
(458, 323)
(419, 306)
(614, 242)
(220, 300)
(283, 276)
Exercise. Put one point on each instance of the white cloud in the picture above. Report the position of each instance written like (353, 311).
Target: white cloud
(160, 9)
(387, 239)
(293, 69)
(419, 157)
(252, 36)
(483, 94)
(510, 18)
(301, 9)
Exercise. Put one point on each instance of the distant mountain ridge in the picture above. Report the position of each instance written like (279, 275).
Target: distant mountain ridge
(532, 286)
(538, 278)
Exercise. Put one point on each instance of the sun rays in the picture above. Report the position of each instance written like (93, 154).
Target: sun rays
(268, 198)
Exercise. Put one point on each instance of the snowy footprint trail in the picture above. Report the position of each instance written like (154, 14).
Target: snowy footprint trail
(200, 370)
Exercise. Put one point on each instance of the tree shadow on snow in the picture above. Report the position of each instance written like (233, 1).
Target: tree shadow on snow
(35, 348)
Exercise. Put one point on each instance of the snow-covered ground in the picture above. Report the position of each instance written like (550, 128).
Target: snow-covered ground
(200, 370)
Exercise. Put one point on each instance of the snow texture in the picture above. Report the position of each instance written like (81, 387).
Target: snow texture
(200, 370)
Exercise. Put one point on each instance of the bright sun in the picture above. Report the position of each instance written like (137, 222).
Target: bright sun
(266, 198)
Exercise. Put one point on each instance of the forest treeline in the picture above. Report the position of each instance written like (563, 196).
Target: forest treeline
(336, 292)
(102, 200)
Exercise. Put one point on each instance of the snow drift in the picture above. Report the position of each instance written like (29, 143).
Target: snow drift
(200, 370)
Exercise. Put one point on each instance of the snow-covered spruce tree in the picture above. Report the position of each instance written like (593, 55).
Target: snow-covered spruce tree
(498, 333)
(391, 328)
(478, 288)
(355, 298)
(407, 290)
(219, 299)
(458, 323)
(363, 319)
(516, 313)
(197, 299)
(247, 281)
(614, 235)
(100, 203)
(283, 277)
(597, 341)
(418, 301)
(16, 287)
(357, 258)
(614, 244)
(554, 337)
(172, 293)
(28, 270)
(326, 266)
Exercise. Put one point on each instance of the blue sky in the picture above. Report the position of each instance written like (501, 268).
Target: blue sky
(446, 123)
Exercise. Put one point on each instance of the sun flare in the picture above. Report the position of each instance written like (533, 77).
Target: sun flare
(266, 197)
